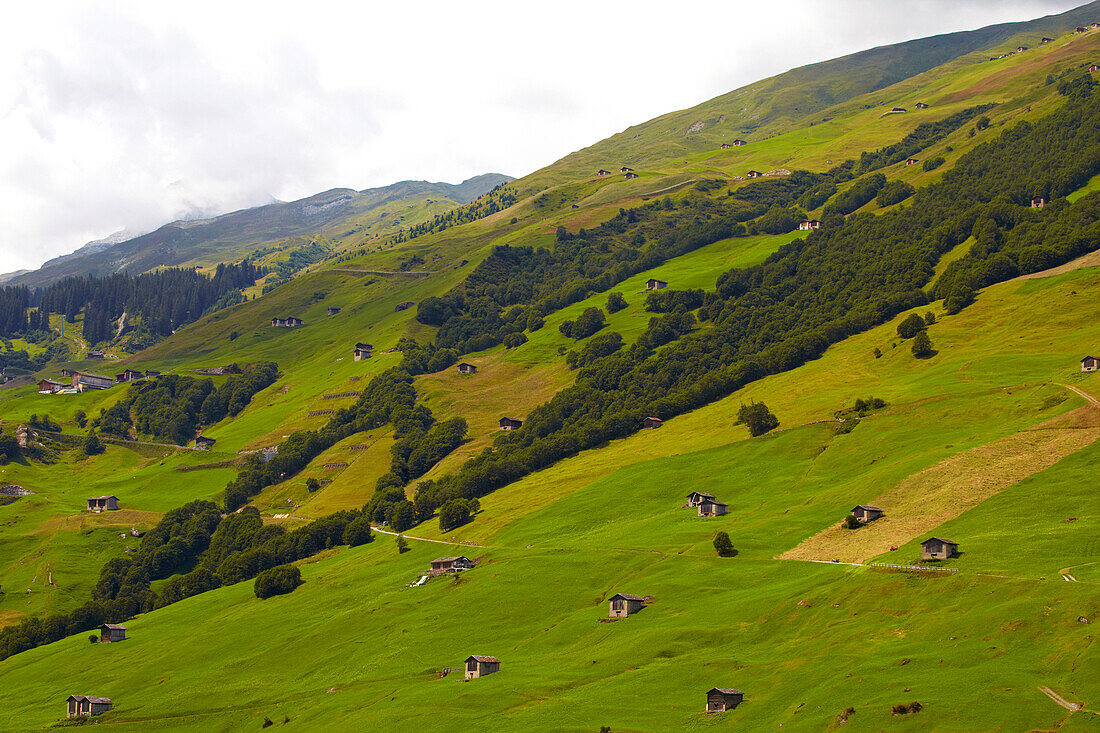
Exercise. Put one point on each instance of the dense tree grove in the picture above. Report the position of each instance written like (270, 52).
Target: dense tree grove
(165, 299)
(499, 199)
(173, 406)
(277, 581)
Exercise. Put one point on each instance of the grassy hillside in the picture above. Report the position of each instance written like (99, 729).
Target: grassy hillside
(990, 441)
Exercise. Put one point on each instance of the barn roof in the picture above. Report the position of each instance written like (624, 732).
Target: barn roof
(627, 597)
(113, 627)
(939, 539)
(90, 374)
(654, 418)
(867, 506)
(481, 658)
(1088, 357)
(103, 497)
(90, 698)
(725, 690)
(714, 501)
(451, 559)
(701, 493)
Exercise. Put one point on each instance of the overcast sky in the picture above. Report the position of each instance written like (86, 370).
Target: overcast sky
(128, 116)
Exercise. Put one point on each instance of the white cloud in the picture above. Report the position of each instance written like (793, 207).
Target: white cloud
(130, 115)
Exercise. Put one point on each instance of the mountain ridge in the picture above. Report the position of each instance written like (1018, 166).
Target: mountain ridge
(182, 241)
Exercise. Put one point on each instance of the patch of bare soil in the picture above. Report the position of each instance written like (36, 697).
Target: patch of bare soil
(944, 491)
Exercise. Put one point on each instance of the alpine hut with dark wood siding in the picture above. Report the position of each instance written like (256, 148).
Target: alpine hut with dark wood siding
(479, 666)
(111, 632)
(86, 705)
(721, 699)
(865, 513)
(621, 605)
(937, 548)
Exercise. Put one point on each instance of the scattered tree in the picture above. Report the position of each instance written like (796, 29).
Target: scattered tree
(93, 446)
(929, 318)
(723, 545)
(850, 522)
(615, 302)
(402, 544)
(757, 417)
(312, 484)
(922, 345)
(80, 418)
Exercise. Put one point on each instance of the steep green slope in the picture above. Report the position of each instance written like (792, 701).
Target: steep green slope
(355, 647)
(803, 641)
(810, 94)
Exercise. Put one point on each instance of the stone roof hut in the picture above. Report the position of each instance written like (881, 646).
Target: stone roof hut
(623, 604)
(1090, 364)
(450, 564)
(697, 497)
(721, 699)
(81, 705)
(465, 368)
(479, 666)
(652, 423)
(711, 508)
(937, 548)
(510, 423)
(111, 632)
(865, 513)
(102, 503)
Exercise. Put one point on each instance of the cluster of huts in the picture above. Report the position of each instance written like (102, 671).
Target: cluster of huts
(768, 174)
(288, 322)
(933, 548)
(735, 144)
(627, 171)
(78, 706)
(81, 381)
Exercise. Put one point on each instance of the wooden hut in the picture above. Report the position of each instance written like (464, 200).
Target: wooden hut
(450, 565)
(95, 354)
(725, 146)
(809, 224)
(911, 161)
(203, 442)
(479, 666)
(711, 508)
(81, 705)
(363, 351)
(652, 423)
(625, 169)
(128, 376)
(624, 604)
(403, 306)
(102, 503)
(654, 284)
(937, 548)
(695, 498)
(921, 105)
(1038, 202)
(465, 368)
(510, 423)
(1090, 364)
(721, 699)
(602, 172)
(630, 175)
(333, 310)
(49, 386)
(865, 513)
(754, 174)
(738, 143)
(111, 632)
(84, 381)
(898, 109)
